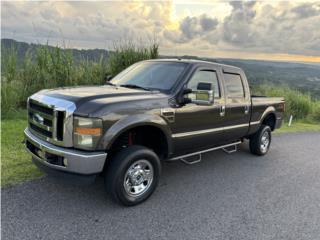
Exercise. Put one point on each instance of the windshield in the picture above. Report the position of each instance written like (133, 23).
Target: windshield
(150, 75)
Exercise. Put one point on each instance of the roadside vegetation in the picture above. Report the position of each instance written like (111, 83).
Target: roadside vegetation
(299, 126)
(300, 105)
(54, 67)
(16, 164)
(48, 68)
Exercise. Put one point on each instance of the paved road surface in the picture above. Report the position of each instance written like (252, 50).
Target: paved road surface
(237, 196)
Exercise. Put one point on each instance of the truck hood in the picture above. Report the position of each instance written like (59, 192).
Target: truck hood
(92, 99)
(87, 93)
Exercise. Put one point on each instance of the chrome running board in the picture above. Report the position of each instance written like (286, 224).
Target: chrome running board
(232, 150)
(183, 157)
(190, 162)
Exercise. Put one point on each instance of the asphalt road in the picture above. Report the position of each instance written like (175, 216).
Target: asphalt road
(236, 196)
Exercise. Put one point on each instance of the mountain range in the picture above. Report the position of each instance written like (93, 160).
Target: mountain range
(301, 76)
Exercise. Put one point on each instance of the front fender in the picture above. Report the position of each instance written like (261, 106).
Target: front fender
(134, 121)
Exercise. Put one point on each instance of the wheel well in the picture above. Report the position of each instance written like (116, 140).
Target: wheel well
(148, 136)
(270, 120)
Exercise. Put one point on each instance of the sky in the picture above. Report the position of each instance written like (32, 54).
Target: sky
(270, 30)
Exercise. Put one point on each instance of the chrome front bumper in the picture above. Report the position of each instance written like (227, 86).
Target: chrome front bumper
(64, 159)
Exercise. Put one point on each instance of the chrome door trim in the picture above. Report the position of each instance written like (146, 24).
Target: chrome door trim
(246, 109)
(222, 110)
(186, 134)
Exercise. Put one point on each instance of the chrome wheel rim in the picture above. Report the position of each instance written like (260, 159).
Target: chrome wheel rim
(265, 141)
(138, 178)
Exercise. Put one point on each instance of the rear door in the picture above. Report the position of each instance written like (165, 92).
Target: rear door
(238, 104)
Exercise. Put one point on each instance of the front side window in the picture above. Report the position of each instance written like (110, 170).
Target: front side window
(151, 75)
(204, 76)
(234, 86)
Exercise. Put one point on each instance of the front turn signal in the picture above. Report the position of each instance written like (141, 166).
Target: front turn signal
(88, 131)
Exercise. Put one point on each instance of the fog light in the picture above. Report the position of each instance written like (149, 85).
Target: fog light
(40, 154)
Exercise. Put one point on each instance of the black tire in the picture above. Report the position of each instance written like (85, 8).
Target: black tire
(258, 145)
(118, 170)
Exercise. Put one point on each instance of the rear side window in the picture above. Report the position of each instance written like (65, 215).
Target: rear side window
(204, 76)
(234, 86)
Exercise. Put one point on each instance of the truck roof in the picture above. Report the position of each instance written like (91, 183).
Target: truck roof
(193, 61)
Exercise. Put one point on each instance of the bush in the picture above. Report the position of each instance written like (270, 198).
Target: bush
(315, 115)
(298, 104)
(127, 53)
(52, 67)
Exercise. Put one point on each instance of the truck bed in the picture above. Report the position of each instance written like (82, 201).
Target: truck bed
(265, 100)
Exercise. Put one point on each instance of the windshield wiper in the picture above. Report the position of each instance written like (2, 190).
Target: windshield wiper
(134, 86)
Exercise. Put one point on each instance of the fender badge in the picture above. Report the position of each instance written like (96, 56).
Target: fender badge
(169, 114)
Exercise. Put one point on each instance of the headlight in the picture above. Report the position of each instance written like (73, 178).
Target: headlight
(86, 132)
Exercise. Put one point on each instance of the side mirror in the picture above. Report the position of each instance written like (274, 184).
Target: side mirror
(182, 99)
(108, 78)
(186, 91)
(204, 94)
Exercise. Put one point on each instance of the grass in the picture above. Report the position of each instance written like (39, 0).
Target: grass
(16, 163)
(299, 127)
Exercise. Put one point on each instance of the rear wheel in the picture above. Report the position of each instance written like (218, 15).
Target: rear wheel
(260, 141)
(132, 175)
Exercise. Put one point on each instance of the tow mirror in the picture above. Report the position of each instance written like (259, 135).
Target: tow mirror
(108, 78)
(204, 94)
(182, 99)
(187, 91)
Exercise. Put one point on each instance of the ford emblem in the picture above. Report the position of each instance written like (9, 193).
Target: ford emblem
(38, 118)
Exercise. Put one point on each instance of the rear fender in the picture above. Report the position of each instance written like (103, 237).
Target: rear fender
(270, 109)
(255, 125)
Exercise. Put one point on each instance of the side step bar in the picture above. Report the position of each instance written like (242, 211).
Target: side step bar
(230, 149)
(183, 158)
(191, 161)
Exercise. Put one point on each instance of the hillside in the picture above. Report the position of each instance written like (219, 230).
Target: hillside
(78, 54)
(302, 76)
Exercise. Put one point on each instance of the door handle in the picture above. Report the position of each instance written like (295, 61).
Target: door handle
(222, 111)
(246, 109)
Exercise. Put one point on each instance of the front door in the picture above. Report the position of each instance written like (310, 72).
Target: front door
(199, 127)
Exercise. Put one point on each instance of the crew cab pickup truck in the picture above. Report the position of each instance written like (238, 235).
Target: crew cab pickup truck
(153, 111)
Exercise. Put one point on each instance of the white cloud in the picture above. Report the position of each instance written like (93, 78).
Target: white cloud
(83, 21)
(252, 27)
(278, 28)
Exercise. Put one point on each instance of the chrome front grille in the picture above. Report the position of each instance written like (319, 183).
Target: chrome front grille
(41, 119)
(51, 119)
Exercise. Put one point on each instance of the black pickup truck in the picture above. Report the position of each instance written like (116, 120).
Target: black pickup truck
(153, 111)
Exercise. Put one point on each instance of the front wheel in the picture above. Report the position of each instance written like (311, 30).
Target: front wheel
(260, 141)
(132, 175)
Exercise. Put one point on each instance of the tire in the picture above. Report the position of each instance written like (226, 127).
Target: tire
(260, 141)
(132, 175)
